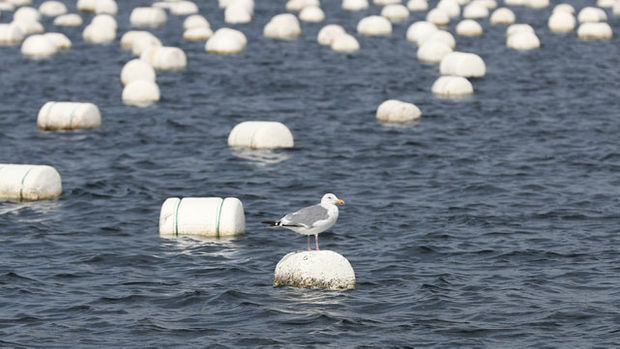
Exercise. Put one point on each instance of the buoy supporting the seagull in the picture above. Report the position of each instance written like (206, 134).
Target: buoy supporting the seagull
(315, 269)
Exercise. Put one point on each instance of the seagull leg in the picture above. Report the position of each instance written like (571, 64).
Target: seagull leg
(308, 242)
(316, 241)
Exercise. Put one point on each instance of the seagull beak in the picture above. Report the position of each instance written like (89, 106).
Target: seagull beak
(340, 202)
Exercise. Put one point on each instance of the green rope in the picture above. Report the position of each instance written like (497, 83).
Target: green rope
(219, 215)
(176, 219)
(21, 189)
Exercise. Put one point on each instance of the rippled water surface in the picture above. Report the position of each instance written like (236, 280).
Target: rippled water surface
(493, 221)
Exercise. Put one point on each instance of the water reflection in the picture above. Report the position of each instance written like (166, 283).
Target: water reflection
(261, 157)
(38, 207)
(200, 245)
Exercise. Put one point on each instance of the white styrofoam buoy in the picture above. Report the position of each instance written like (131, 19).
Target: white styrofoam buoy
(328, 33)
(616, 9)
(438, 17)
(68, 20)
(345, 43)
(197, 34)
(147, 17)
(606, 3)
(417, 5)
(564, 8)
(312, 14)
(468, 65)
(204, 216)
(517, 28)
(594, 30)
(86, 5)
(38, 46)
(284, 26)
(433, 51)
(561, 22)
(395, 13)
(514, 2)
(137, 69)
(27, 14)
(106, 7)
(261, 135)
(490, 4)
(195, 21)
(140, 93)
(10, 34)
(7, 6)
(28, 26)
(323, 269)
(29, 182)
(374, 26)
(537, 4)
(452, 86)
(394, 110)
(183, 8)
(386, 2)
(61, 41)
(451, 8)
(354, 5)
(468, 27)
(419, 30)
(98, 34)
(523, 40)
(298, 5)
(68, 116)
(439, 36)
(237, 13)
(139, 41)
(591, 14)
(475, 10)
(502, 16)
(165, 57)
(105, 20)
(226, 41)
(52, 8)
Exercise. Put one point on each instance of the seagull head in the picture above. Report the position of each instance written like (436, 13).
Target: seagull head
(332, 199)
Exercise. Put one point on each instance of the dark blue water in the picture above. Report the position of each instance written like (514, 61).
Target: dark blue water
(491, 222)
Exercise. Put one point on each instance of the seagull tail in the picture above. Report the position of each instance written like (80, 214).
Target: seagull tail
(272, 223)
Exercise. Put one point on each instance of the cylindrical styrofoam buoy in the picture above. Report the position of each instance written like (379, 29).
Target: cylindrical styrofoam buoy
(183, 8)
(537, 4)
(195, 21)
(86, 5)
(452, 86)
(523, 40)
(197, 34)
(237, 14)
(561, 22)
(354, 5)
(106, 7)
(605, 3)
(439, 36)
(594, 30)
(28, 26)
(438, 17)
(284, 26)
(433, 51)
(385, 2)
(502, 16)
(137, 69)
(591, 14)
(451, 8)
(420, 30)
(98, 34)
(147, 17)
(52, 8)
(68, 116)
(374, 26)
(226, 41)
(323, 269)
(10, 34)
(298, 5)
(394, 110)
(261, 135)
(516, 28)
(139, 41)
(105, 20)
(564, 8)
(68, 20)
(165, 57)
(417, 5)
(312, 14)
(26, 14)
(141, 93)
(345, 43)
(468, 27)
(38, 46)
(61, 41)
(463, 64)
(7, 6)
(204, 216)
(395, 13)
(29, 182)
(475, 10)
(328, 33)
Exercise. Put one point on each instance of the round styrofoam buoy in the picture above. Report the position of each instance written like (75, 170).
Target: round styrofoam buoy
(514, 2)
(68, 116)
(147, 17)
(468, 27)
(137, 69)
(226, 41)
(475, 10)
(298, 5)
(328, 33)
(490, 4)
(439, 36)
(594, 30)
(561, 22)
(27, 14)
(354, 5)
(237, 13)
(38, 46)
(98, 34)
(7, 6)
(420, 30)
(61, 41)
(29, 182)
(345, 43)
(28, 26)
(564, 8)
(284, 26)
(10, 34)
(261, 135)
(197, 34)
(451, 8)
(433, 51)
(468, 65)
(523, 40)
(537, 4)
(606, 3)
(183, 8)
(517, 28)
(138, 41)
(452, 86)
(106, 7)
(502, 16)
(385, 2)
(616, 8)
(374, 26)
(438, 17)
(68, 20)
(417, 5)
(86, 5)
(312, 14)
(395, 13)
(394, 110)
(323, 269)
(141, 93)
(105, 20)
(591, 14)
(52, 8)
(165, 58)
(195, 21)
(205, 216)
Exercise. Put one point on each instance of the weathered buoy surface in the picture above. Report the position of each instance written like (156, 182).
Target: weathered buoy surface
(523, 40)
(38, 46)
(591, 14)
(204, 216)
(86, 5)
(354, 5)
(594, 30)
(374, 26)
(61, 41)
(52, 8)
(468, 27)
(197, 34)
(261, 135)
(237, 13)
(10, 34)
(420, 30)
(345, 43)
(141, 93)
(394, 110)
(29, 182)
(137, 69)
(106, 7)
(417, 5)
(312, 14)
(226, 41)
(68, 116)
(462, 64)
(561, 22)
(328, 33)
(438, 17)
(195, 21)
(99, 34)
(433, 51)
(395, 13)
(147, 17)
(68, 20)
(284, 26)
(323, 269)
(502, 16)
(452, 86)
(165, 57)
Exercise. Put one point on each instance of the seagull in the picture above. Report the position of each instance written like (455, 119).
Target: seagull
(311, 220)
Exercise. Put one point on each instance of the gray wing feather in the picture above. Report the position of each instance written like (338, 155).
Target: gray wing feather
(306, 216)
